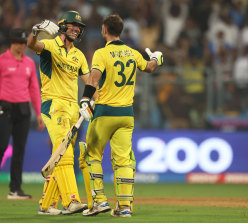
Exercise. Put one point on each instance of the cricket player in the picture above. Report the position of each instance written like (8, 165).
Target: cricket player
(60, 65)
(113, 74)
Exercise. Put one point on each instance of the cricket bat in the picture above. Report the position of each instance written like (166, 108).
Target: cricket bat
(58, 154)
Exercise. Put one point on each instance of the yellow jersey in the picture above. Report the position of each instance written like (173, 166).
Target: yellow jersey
(59, 70)
(118, 64)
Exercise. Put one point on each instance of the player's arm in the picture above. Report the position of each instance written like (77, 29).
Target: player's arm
(46, 26)
(34, 44)
(156, 59)
(85, 77)
(94, 78)
(89, 90)
(151, 66)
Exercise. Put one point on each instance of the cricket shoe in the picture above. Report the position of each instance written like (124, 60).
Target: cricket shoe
(74, 207)
(97, 208)
(18, 195)
(121, 212)
(50, 211)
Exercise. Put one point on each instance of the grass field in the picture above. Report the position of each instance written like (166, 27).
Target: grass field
(166, 203)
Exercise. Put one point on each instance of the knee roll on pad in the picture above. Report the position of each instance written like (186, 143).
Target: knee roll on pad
(68, 157)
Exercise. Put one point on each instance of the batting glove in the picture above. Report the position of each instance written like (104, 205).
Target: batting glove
(46, 26)
(157, 56)
(85, 109)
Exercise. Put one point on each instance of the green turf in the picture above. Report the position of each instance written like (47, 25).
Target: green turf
(26, 211)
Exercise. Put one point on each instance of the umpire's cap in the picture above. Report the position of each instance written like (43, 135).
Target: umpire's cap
(18, 35)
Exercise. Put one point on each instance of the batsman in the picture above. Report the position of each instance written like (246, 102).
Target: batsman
(61, 63)
(113, 75)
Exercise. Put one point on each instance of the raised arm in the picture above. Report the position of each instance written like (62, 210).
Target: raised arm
(34, 44)
(156, 59)
(46, 26)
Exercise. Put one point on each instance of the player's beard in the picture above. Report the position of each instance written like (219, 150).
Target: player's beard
(71, 39)
(104, 38)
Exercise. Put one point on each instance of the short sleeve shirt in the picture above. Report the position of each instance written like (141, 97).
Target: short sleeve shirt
(59, 70)
(118, 64)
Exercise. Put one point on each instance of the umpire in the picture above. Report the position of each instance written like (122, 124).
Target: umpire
(18, 86)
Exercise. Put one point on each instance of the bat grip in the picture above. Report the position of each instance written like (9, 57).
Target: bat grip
(79, 122)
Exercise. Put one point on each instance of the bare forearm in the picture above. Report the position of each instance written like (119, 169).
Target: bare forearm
(151, 66)
(34, 44)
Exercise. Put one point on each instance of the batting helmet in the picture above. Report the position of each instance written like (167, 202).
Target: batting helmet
(71, 17)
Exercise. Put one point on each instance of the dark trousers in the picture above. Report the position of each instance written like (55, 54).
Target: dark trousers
(15, 122)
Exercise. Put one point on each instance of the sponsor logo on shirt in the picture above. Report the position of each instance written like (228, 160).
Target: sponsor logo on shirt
(67, 67)
(12, 68)
(28, 71)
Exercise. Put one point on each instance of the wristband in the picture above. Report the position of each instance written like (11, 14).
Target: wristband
(89, 91)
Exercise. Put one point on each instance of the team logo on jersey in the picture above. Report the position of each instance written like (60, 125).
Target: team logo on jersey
(59, 120)
(75, 59)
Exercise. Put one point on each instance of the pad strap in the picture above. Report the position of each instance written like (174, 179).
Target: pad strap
(122, 180)
(125, 197)
(97, 192)
(96, 176)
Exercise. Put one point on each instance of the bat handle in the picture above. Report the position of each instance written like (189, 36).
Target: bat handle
(79, 122)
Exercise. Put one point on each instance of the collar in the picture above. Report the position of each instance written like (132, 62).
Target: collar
(115, 42)
(60, 43)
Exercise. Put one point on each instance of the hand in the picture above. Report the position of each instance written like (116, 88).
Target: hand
(85, 109)
(40, 122)
(157, 56)
(46, 26)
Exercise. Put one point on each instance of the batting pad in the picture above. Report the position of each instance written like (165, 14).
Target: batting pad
(124, 182)
(86, 175)
(96, 179)
(67, 184)
(68, 157)
(50, 194)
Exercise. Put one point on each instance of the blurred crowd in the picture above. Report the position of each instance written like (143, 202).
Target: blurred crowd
(205, 46)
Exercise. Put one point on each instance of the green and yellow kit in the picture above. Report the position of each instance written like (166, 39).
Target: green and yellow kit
(113, 119)
(59, 72)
